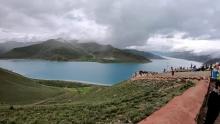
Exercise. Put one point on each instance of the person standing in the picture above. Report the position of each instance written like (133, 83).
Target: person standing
(194, 68)
(213, 105)
(172, 71)
(164, 70)
(215, 73)
(218, 75)
(211, 68)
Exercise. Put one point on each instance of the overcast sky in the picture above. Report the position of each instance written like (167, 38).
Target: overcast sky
(144, 24)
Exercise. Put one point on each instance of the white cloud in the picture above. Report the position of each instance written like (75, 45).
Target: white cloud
(178, 42)
(76, 25)
(72, 25)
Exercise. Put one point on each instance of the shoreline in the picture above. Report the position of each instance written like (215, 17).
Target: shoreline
(70, 81)
(74, 81)
(104, 62)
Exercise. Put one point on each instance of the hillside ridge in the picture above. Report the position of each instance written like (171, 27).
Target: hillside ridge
(73, 51)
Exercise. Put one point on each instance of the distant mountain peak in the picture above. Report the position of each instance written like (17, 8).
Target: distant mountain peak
(53, 49)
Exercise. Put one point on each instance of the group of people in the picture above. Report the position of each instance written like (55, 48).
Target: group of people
(186, 69)
(144, 73)
(213, 102)
(178, 69)
(173, 70)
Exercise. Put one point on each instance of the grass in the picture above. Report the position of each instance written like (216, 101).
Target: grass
(16, 89)
(126, 102)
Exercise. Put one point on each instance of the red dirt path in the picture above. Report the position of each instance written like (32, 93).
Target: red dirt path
(182, 109)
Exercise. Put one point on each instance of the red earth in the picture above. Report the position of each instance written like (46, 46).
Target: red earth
(181, 109)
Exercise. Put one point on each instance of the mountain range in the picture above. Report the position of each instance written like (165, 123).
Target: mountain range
(188, 55)
(73, 51)
(9, 45)
(61, 50)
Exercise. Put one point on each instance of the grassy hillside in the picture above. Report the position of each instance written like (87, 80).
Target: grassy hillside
(126, 102)
(16, 89)
(67, 51)
(51, 49)
(9, 45)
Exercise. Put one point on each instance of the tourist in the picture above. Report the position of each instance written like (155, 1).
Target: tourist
(140, 73)
(211, 69)
(135, 75)
(194, 68)
(215, 73)
(218, 75)
(206, 66)
(172, 71)
(164, 70)
(213, 105)
(203, 68)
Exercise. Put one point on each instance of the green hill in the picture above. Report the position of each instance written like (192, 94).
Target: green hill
(16, 89)
(9, 45)
(73, 51)
(66, 102)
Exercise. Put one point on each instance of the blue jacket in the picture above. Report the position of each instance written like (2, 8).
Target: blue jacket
(215, 73)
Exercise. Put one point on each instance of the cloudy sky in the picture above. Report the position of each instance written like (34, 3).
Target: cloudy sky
(171, 25)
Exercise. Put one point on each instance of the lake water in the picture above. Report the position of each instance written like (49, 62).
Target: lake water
(88, 72)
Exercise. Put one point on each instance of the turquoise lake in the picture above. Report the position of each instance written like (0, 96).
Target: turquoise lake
(88, 72)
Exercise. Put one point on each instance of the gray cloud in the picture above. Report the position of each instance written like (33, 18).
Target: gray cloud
(122, 23)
